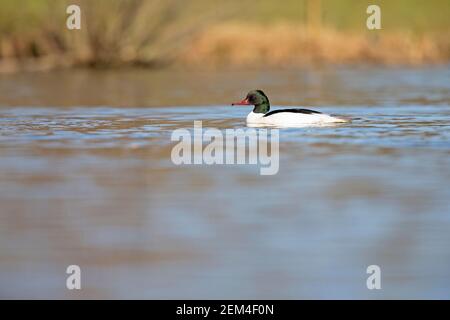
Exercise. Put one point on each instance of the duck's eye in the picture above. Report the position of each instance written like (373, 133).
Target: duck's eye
(251, 98)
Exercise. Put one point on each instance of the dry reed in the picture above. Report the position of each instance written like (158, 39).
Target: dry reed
(292, 45)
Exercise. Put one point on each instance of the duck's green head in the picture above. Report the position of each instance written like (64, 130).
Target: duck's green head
(256, 98)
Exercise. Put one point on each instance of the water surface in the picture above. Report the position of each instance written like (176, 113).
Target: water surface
(86, 178)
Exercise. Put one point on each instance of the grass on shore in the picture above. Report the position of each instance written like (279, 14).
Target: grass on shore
(287, 45)
(209, 32)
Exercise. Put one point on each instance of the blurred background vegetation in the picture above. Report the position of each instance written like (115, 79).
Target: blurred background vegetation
(211, 33)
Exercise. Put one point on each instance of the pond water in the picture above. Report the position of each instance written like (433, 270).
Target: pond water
(86, 178)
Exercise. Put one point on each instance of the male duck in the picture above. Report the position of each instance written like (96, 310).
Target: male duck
(283, 117)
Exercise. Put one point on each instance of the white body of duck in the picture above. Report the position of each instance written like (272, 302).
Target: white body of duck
(287, 118)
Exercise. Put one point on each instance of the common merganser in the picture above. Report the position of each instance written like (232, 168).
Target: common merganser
(283, 117)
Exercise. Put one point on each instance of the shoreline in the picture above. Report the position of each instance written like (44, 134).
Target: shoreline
(249, 46)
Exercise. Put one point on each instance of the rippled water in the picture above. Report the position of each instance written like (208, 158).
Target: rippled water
(96, 187)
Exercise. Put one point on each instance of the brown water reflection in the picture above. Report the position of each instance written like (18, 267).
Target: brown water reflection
(137, 88)
(95, 186)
